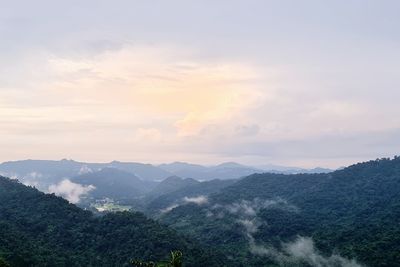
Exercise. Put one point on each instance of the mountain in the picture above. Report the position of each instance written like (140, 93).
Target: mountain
(44, 173)
(177, 167)
(317, 170)
(38, 229)
(229, 170)
(141, 170)
(181, 196)
(271, 168)
(343, 218)
(171, 184)
(114, 183)
(41, 173)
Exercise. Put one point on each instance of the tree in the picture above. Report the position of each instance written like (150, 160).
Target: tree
(175, 261)
(3, 263)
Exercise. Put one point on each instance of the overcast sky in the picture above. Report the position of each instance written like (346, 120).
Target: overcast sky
(303, 83)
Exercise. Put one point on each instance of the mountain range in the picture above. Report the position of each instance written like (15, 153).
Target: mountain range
(42, 173)
(38, 229)
(345, 218)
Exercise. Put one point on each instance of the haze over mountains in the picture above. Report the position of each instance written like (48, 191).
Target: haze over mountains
(43, 173)
(345, 218)
(114, 183)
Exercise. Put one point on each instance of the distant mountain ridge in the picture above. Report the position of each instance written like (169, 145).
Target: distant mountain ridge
(50, 171)
(171, 184)
(230, 170)
(114, 183)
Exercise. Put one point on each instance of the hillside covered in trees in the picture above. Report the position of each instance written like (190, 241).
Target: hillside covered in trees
(38, 229)
(346, 218)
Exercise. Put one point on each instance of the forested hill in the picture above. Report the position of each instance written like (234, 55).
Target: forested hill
(38, 229)
(354, 212)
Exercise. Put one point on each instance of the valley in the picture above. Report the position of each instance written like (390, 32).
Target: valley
(341, 218)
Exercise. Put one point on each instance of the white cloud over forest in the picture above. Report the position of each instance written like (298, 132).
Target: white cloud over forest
(71, 191)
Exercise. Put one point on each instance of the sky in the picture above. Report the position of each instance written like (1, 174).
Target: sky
(299, 83)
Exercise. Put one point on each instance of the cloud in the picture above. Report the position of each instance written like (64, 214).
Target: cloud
(142, 99)
(250, 225)
(301, 250)
(34, 175)
(247, 130)
(85, 169)
(70, 191)
(246, 208)
(133, 101)
(246, 213)
(157, 81)
(169, 208)
(32, 179)
(28, 177)
(148, 135)
(199, 200)
(72, 81)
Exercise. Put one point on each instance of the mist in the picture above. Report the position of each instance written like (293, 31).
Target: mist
(70, 191)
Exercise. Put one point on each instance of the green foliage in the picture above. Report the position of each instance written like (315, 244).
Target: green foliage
(156, 203)
(3, 263)
(38, 229)
(175, 261)
(354, 212)
(113, 183)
